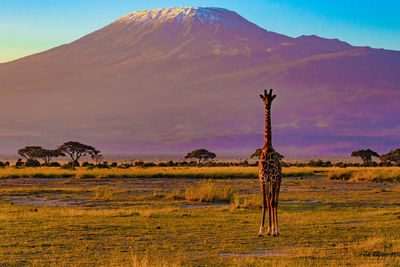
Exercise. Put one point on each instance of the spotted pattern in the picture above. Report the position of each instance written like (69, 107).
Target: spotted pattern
(270, 170)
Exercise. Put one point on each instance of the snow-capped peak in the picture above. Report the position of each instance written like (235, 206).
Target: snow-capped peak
(204, 15)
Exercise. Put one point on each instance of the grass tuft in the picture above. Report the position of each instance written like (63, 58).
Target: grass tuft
(253, 201)
(208, 191)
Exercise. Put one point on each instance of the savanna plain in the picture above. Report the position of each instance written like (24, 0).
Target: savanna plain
(197, 216)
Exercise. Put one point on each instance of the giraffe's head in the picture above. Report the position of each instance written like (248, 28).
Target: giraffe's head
(268, 98)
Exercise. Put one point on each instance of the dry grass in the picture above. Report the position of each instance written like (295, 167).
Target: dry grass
(359, 174)
(252, 201)
(208, 191)
(103, 193)
(151, 172)
(349, 225)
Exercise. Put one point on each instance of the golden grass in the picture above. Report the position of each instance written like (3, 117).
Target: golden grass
(151, 172)
(253, 201)
(358, 174)
(347, 226)
(208, 191)
(103, 193)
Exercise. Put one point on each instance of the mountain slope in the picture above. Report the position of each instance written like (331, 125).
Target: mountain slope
(170, 80)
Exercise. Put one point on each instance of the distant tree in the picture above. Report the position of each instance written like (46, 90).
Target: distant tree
(201, 154)
(28, 152)
(258, 151)
(77, 150)
(392, 156)
(47, 155)
(366, 155)
(97, 157)
(319, 163)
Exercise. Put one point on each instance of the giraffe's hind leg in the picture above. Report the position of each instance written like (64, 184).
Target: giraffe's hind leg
(274, 204)
(276, 215)
(264, 204)
(275, 212)
(270, 214)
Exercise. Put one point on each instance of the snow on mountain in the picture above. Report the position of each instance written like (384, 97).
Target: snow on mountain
(202, 15)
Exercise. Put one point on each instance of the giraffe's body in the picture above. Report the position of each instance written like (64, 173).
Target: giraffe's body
(270, 173)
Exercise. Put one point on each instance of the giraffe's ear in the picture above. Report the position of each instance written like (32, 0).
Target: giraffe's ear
(262, 97)
(273, 97)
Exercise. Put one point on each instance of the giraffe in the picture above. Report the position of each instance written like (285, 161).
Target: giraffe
(269, 172)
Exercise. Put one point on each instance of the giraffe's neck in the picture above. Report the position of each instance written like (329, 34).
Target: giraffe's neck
(268, 132)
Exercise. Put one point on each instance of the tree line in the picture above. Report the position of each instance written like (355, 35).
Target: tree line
(73, 150)
(388, 159)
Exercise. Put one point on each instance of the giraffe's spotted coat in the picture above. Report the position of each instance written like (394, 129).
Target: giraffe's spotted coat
(269, 168)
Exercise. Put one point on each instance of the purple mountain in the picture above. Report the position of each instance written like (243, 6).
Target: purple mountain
(172, 80)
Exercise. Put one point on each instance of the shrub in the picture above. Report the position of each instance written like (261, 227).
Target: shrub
(19, 163)
(85, 164)
(32, 163)
(55, 164)
(139, 164)
(103, 165)
(149, 164)
(68, 166)
(340, 175)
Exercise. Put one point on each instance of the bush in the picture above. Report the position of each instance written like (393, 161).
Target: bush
(124, 166)
(319, 163)
(139, 164)
(68, 166)
(85, 164)
(103, 165)
(113, 165)
(32, 163)
(19, 163)
(149, 164)
(340, 175)
(54, 164)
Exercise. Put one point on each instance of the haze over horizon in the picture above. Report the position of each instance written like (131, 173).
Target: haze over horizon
(30, 27)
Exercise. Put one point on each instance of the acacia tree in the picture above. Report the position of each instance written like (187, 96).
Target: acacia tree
(28, 152)
(392, 156)
(47, 155)
(97, 157)
(201, 154)
(366, 155)
(258, 152)
(76, 150)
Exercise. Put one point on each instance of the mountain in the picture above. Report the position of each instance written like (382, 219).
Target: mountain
(171, 80)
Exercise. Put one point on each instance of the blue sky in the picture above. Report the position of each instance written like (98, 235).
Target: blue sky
(31, 26)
